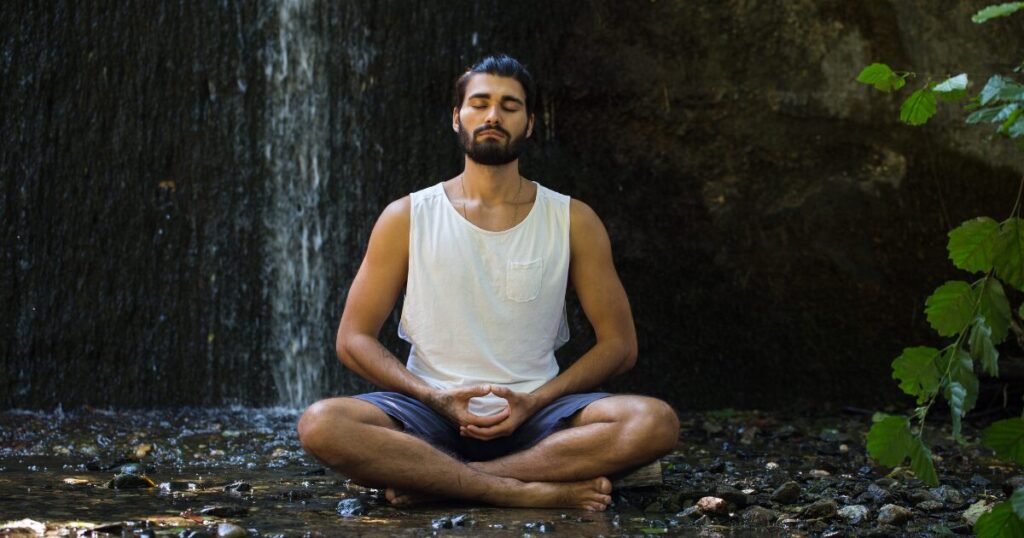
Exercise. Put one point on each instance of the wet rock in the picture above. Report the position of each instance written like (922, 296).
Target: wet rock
(948, 495)
(894, 514)
(975, 511)
(196, 533)
(133, 469)
(223, 510)
(297, 495)
(451, 522)
(539, 526)
(854, 514)
(820, 509)
(879, 494)
(175, 485)
(929, 506)
(733, 496)
(712, 505)
(787, 493)
(227, 530)
(759, 516)
(238, 487)
(749, 435)
(130, 481)
(920, 495)
(819, 473)
(351, 507)
(979, 480)
(692, 512)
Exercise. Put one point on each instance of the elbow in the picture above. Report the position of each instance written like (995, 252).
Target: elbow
(341, 350)
(629, 355)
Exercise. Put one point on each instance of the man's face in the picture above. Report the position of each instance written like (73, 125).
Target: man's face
(492, 123)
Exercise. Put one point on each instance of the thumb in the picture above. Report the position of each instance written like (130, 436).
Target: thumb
(502, 391)
(478, 390)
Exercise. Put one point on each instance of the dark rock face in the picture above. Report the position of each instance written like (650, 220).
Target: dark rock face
(772, 224)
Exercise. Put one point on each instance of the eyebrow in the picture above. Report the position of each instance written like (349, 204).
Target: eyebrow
(503, 98)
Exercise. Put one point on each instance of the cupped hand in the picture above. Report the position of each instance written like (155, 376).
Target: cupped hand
(521, 406)
(453, 404)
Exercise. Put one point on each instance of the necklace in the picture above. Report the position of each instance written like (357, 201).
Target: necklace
(515, 201)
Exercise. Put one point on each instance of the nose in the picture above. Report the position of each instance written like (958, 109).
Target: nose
(493, 115)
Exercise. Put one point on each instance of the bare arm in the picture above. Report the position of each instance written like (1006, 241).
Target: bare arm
(592, 273)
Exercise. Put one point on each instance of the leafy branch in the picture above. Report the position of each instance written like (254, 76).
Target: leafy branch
(976, 315)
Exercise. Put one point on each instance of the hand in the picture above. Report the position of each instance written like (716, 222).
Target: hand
(521, 406)
(453, 404)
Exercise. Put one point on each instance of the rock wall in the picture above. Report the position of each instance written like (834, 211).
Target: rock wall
(188, 188)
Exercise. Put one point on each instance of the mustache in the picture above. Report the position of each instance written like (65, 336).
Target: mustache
(496, 128)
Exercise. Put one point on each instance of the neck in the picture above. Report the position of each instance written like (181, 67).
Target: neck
(491, 184)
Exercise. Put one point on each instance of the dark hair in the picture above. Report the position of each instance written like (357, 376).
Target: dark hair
(501, 65)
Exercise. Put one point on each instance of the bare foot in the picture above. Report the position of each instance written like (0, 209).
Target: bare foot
(409, 498)
(591, 494)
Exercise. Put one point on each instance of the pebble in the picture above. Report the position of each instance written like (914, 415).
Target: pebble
(854, 514)
(893, 514)
(712, 505)
(227, 530)
(787, 493)
(819, 473)
(733, 495)
(539, 526)
(223, 510)
(822, 508)
(948, 494)
(238, 487)
(975, 511)
(929, 506)
(771, 466)
(130, 481)
(759, 516)
(351, 507)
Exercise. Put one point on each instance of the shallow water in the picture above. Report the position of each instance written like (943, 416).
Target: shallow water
(56, 468)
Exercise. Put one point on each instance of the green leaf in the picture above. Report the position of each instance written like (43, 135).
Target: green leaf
(1009, 253)
(1020, 311)
(1017, 129)
(998, 10)
(961, 370)
(921, 462)
(917, 372)
(952, 88)
(994, 307)
(991, 90)
(1010, 120)
(970, 244)
(918, 108)
(1011, 110)
(1011, 91)
(889, 440)
(984, 115)
(999, 522)
(1017, 501)
(957, 395)
(881, 77)
(950, 307)
(982, 349)
(1006, 437)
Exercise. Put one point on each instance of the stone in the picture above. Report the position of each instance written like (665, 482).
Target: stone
(238, 487)
(820, 509)
(539, 526)
(787, 493)
(224, 510)
(855, 514)
(929, 506)
(227, 530)
(692, 512)
(894, 514)
(819, 473)
(130, 481)
(712, 505)
(759, 516)
(948, 495)
(733, 496)
(920, 495)
(975, 511)
(351, 507)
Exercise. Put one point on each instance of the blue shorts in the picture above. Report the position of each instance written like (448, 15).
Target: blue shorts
(425, 423)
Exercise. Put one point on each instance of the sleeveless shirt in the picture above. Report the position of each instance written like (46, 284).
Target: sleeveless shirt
(486, 307)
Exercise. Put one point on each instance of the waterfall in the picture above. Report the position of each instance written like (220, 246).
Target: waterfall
(296, 150)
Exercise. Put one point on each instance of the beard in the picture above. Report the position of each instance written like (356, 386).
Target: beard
(491, 151)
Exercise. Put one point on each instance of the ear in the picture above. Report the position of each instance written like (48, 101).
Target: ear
(455, 119)
(529, 126)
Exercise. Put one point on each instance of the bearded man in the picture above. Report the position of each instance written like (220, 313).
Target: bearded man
(480, 411)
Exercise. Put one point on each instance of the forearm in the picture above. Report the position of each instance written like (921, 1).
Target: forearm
(366, 356)
(600, 363)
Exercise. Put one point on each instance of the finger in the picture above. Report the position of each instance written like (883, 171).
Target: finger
(476, 390)
(486, 421)
(502, 391)
(487, 433)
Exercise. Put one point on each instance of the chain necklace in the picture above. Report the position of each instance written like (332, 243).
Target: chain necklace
(515, 201)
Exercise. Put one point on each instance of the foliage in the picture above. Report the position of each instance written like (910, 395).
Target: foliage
(976, 314)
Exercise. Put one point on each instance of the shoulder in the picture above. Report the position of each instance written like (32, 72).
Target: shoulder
(394, 220)
(582, 217)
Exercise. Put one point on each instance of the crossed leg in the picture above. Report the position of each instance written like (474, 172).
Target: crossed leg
(567, 469)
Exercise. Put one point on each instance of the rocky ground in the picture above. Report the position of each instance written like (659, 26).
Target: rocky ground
(238, 472)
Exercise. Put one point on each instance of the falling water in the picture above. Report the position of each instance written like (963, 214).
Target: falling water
(296, 151)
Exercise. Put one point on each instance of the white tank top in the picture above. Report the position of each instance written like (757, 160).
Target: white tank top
(482, 306)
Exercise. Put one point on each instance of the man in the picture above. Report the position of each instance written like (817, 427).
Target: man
(481, 412)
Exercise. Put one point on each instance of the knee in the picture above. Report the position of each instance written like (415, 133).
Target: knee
(654, 425)
(321, 425)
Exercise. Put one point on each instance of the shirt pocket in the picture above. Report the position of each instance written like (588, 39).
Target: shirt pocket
(524, 279)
